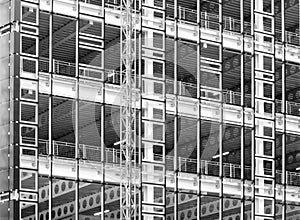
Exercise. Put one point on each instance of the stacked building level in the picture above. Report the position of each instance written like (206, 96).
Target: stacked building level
(149, 109)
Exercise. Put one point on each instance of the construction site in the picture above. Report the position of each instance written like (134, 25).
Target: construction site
(149, 109)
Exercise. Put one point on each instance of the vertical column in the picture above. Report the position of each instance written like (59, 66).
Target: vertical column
(153, 109)
(199, 110)
(222, 125)
(284, 112)
(243, 104)
(6, 109)
(177, 86)
(28, 109)
(77, 170)
(264, 106)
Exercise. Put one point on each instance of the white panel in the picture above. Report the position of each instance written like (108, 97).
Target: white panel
(187, 106)
(44, 83)
(63, 7)
(64, 86)
(45, 5)
(153, 173)
(94, 10)
(91, 91)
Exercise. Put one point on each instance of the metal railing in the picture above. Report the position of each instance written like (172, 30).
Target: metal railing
(93, 2)
(64, 68)
(210, 21)
(188, 165)
(184, 88)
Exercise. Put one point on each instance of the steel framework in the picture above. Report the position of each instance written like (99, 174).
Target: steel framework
(128, 111)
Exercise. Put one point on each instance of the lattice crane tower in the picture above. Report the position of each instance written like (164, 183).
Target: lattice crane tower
(128, 111)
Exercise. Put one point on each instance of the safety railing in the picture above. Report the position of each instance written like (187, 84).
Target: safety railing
(63, 149)
(64, 68)
(210, 21)
(69, 69)
(187, 165)
(112, 76)
(88, 152)
(43, 146)
(90, 72)
(184, 88)
(112, 2)
(44, 65)
(292, 108)
(291, 38)
(92, 2)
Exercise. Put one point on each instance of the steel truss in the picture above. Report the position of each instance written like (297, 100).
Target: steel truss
(128, 110)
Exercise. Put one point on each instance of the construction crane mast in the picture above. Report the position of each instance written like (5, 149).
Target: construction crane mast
(128, 111)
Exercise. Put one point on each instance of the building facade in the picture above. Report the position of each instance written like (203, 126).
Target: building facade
(215, 109)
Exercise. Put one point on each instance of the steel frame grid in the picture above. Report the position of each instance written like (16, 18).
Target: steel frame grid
(51, 155)
(256, 118)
